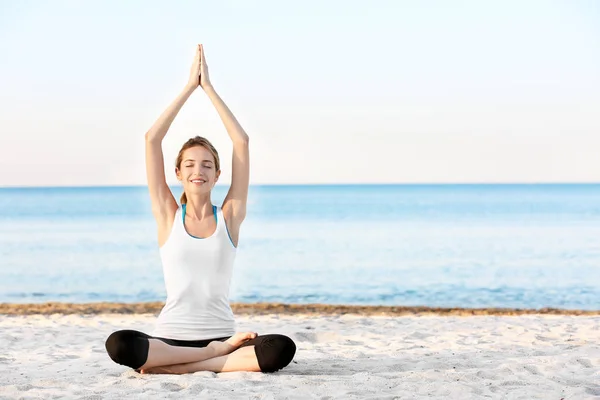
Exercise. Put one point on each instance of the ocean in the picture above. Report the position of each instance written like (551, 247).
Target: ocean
(515, 246)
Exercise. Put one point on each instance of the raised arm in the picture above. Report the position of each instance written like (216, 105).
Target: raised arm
(163, 203)
(234, 205)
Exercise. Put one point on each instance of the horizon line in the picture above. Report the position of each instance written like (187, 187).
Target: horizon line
(223, 185)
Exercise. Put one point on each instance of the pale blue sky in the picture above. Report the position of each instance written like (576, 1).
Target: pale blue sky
(329, 91)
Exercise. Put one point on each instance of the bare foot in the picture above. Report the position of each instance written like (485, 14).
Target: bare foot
(165, 369)
(231, 344)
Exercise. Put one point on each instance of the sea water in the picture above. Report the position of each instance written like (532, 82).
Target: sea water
(524, 246)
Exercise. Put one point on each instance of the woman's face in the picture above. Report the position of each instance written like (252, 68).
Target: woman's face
(197, 171)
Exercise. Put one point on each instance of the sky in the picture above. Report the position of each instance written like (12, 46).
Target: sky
(328, 91)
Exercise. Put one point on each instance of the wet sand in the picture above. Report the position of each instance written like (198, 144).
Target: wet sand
(278, 308)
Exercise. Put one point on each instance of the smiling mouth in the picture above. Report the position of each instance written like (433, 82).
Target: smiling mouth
(198, 181)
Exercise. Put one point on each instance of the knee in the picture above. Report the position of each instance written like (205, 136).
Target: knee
(275, 352)
(117, 346)
(127, 348)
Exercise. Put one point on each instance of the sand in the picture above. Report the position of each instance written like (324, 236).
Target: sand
(340, 356)
(277, 308)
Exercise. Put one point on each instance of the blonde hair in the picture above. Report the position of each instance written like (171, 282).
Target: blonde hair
(194, 142)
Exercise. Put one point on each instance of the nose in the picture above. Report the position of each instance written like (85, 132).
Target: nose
(197, 171)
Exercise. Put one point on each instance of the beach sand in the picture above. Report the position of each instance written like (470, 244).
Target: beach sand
(414, 355)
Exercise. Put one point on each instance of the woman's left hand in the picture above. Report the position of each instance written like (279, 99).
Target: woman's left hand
(204, 78)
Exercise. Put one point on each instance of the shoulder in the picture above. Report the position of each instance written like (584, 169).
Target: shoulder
(231, 213)
(165, 225)
(231, 224)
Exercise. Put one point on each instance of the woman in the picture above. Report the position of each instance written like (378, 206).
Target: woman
(195, 330)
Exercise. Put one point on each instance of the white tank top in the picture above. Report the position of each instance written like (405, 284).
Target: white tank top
(197, 274)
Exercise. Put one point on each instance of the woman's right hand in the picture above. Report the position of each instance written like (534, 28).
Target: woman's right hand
(194, 80)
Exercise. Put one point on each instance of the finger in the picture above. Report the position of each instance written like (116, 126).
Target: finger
(202, 53)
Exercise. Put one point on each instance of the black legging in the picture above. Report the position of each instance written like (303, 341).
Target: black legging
(130, 348)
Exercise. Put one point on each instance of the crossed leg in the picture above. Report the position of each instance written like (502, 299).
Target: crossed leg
(243, 359)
